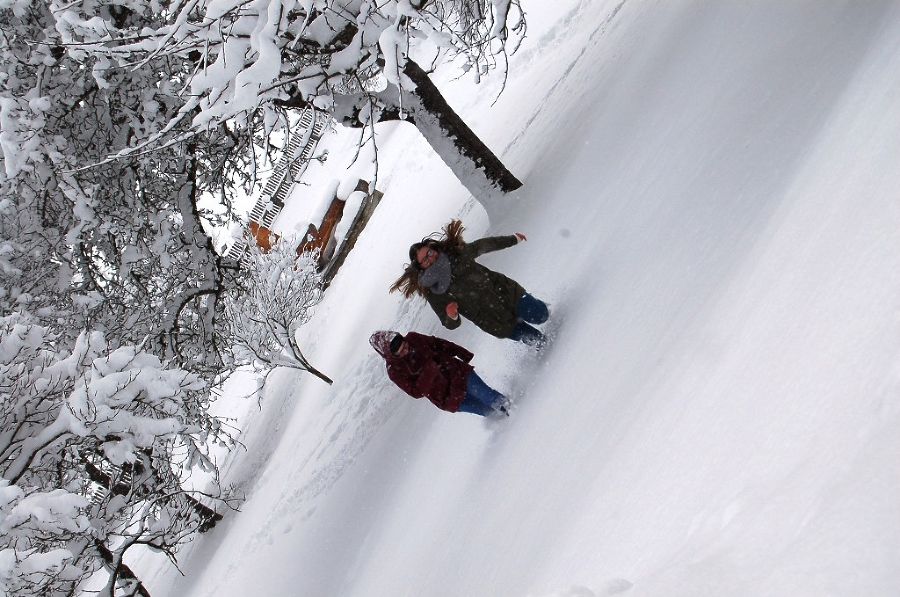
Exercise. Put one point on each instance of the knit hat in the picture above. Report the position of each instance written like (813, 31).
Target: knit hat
(382, 341)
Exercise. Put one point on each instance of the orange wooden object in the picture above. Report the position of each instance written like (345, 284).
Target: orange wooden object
(318, 238)
(264, 237)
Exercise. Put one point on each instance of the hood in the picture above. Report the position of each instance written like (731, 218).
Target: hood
(381, 342)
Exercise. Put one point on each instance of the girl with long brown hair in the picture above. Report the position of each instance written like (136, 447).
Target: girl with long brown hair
(445, 273)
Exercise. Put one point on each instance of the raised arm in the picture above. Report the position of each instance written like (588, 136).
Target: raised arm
(490, 243)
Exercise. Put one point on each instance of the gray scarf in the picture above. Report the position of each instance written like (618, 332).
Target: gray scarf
(437, 277)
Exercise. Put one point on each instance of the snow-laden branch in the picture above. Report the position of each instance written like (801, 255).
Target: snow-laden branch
(120, 405)
(250, 53)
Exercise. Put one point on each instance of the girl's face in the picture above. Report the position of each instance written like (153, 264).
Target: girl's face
(402, 350)
(426, 256)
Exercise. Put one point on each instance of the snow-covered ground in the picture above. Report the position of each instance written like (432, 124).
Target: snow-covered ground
(712, 201)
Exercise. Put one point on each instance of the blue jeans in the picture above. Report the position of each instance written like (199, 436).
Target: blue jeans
(530, 310)
(480, 397)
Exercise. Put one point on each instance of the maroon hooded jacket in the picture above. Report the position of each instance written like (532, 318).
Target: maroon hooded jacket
(433, 368)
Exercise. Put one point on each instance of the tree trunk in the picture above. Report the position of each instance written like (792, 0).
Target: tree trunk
(459, 147)
(119, 570)
(309, 368)
(473, 163)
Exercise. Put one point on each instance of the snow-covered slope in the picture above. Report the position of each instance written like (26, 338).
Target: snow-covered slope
(711, 199)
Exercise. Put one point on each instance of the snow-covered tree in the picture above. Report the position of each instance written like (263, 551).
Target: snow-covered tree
(118, 246)
(237, 60)
(182, 94)
(115, 119)
(65, 405)
(109, 289)
(276, 296)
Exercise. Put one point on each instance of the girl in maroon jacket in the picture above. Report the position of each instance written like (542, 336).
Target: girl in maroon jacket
(437, 369)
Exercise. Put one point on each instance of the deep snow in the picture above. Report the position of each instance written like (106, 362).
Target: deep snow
(711, 200)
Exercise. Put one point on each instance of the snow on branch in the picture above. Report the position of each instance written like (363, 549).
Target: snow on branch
(66, 406)
(249, 53)
(34, 527)
(50, 392)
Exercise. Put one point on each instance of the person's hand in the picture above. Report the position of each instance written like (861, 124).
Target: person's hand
(452, 310)
(520, 237)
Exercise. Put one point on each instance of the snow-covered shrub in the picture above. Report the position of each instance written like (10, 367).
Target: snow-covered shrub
(275, 298)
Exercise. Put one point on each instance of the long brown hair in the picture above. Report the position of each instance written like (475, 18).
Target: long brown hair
(451, 241)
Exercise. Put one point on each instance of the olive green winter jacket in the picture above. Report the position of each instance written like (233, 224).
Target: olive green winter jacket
(486, 298)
